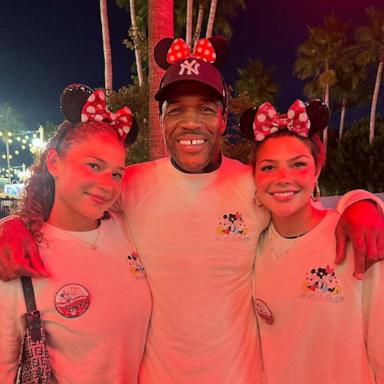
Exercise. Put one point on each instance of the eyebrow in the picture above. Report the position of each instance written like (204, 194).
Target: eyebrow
(274, 161)
(104, 162)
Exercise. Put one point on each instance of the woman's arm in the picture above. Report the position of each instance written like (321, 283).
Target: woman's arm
(11, 329)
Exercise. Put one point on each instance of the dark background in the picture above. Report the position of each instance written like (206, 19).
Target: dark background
(45, 45)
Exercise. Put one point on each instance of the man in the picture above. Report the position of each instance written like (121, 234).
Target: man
(196, 227)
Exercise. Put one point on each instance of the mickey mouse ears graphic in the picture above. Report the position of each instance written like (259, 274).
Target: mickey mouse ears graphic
(200, 66)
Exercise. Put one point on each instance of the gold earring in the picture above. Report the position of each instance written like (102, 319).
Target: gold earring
(316, 192)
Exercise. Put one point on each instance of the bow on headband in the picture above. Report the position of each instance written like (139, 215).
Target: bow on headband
(180, 50)
(96, 109)
(267, 121)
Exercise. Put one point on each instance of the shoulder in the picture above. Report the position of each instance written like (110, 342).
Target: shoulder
(239, 174)
(141, 178)
(143, 172)
(116, 229)
(237, 166)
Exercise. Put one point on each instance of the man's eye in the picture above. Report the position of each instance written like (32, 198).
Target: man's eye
(173, 111)
(206, 109)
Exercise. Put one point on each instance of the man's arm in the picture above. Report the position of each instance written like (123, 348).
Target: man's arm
(19, 253)
(362, 222)
(373, 315)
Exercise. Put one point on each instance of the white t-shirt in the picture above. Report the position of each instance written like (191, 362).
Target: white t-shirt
(318, 324)
(95, 307)
(196, 235)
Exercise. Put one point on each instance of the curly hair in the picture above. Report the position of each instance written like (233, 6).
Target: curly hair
(39, 194)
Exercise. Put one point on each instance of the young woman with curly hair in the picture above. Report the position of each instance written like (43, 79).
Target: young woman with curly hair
(95, 303)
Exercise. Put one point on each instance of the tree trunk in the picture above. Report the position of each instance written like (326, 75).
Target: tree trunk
(106, 45)
(136, 42)
(160, 25)
(199, 21)
(211, 18)
(372, 117)
(188, 37)
(342, 116)
(325, 132)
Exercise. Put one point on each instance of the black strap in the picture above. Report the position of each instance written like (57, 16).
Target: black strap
(32, 316)
(29, 294)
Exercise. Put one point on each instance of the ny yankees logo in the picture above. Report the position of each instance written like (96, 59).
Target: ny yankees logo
(190, 67)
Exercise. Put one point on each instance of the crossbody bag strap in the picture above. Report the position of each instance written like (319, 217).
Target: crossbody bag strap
(32, 316)
(29, 294)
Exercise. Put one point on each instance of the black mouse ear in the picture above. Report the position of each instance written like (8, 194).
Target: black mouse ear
(161, 51)
(246, 123)
(133, 132)
(221, 46)
(72, 100)
(318, 114)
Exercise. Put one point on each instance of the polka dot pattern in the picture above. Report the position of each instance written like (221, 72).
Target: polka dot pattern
(180, 50)
(95, 109)
(267, 121)
(204, 50)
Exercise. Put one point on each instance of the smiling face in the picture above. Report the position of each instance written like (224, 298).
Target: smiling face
(285, 175)
(87, 180)
(193, 122)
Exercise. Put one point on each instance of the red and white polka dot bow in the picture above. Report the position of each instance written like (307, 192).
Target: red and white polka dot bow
(180, 50)
(95, 109)
(267, 121)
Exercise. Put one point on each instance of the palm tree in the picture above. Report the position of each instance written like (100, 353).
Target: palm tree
(226, 10)
(199, 21)
(136, 40)
(189, 18)
(351, 87)
(135, 37)
(256, 81)
(211, 18)
(160, 25)
(106, 45)
(318, 55)
(370, 40)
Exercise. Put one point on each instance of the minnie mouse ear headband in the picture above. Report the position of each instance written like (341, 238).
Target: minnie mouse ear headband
(182, 64)
(79, 103)
(302, 119)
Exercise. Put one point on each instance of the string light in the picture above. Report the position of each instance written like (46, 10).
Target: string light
(18, 147)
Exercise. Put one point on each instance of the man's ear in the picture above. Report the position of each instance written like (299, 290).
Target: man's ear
(52, 161)
(225, 120)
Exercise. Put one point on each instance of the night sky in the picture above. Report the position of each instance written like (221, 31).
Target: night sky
(45, 45)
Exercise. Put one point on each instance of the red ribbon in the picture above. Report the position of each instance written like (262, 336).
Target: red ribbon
(95, 109)
(180, 50)
(267, 121)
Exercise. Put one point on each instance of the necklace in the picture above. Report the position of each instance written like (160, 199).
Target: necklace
(295, 237)
(92, 243)
(283, 251)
